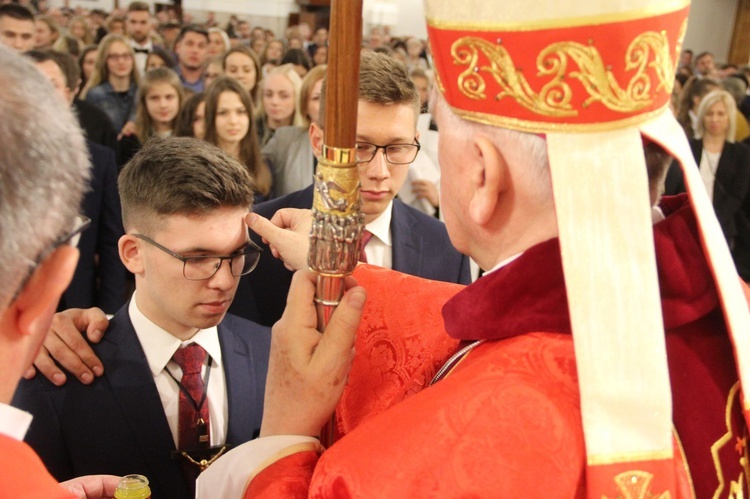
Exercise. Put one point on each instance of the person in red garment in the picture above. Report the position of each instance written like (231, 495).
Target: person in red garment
(535, 405)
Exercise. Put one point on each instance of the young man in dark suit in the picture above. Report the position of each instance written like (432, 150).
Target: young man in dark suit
(180, 375)
(403, 239)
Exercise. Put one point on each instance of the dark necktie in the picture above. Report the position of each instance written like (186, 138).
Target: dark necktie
(366, 236)
(140, 51)
(193, 424)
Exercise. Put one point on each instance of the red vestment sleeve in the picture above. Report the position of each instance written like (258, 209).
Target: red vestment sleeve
(22, 473)
(288, 477)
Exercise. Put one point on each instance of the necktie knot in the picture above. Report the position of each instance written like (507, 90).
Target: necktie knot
(190, 358)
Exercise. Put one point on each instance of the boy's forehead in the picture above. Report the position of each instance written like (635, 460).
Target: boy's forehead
(368, 112)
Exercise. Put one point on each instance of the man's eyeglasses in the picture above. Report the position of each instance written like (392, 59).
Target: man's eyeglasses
(200, 268)
(71, 237)
(395, 154)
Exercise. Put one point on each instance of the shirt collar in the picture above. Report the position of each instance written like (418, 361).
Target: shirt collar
(159, 345)
(381, 226)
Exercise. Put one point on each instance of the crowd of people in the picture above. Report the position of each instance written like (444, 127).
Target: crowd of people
(197, 133)
(134, 75)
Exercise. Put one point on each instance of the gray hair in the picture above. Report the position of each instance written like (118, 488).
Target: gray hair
(730, 105)
(44, 168)
(518, 148)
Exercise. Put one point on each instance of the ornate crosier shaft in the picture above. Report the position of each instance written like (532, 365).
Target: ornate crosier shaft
(336, 233)
(335, 237)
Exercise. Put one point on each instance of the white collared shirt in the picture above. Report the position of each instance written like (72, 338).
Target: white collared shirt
(159, 346)
(14, 422)
(379, 250)
(139, 58)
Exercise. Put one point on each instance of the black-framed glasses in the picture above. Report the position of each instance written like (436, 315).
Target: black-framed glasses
(72, 237)
(200, 268)
(395, 154)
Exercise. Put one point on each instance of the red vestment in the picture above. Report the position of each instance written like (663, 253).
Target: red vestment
(506, 422)
(22, 473)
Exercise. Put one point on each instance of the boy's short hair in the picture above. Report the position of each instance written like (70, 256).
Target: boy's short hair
(180, 176)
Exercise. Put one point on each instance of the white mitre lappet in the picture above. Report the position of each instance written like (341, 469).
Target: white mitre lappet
(595, 79)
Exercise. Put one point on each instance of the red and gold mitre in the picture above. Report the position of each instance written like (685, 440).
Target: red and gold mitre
(595, 78)
(578, 73)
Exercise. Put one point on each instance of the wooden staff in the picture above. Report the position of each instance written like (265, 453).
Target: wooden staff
(335, 237)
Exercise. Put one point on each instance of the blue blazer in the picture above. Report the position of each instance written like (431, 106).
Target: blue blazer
(421, 247)
(117, 425)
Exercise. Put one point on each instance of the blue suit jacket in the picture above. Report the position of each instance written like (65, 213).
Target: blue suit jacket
(117, 425)
(100, 276)
(421, 247)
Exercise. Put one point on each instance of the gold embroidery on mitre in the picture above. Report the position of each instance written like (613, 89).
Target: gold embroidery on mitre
(636, 484)
(648, 50)
(736, 488)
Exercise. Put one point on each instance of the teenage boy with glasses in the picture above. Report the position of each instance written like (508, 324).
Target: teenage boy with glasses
(184, 204)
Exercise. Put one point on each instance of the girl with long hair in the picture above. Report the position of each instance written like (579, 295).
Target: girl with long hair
(229, 125)
(243, 65)
(114, 82)
(279, 103)
(160, 96)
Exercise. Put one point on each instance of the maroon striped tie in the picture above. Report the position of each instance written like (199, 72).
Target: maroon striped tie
(366, 236)
(193, 413)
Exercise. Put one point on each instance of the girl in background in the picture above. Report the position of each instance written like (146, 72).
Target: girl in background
(218, 42)
(279, 102)
(159, 58)
(229, 125)
(243, 65)
(272, 55)
(214, 69)
(114, 82)
(160, 96)
(87, 63)
(191, 122)
(289, 153)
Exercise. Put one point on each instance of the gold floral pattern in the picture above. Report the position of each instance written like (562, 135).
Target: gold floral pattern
(565, 61)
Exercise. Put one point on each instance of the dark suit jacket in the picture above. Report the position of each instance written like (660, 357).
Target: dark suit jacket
(421, 247)
(99, 279)
(96, 124)
(731, 197)
(117, 425)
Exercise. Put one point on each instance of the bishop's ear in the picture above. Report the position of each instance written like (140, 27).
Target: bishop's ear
(489, 177)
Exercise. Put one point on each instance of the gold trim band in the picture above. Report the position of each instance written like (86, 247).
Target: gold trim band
(546, 127)
(340, 155)
(572, 22)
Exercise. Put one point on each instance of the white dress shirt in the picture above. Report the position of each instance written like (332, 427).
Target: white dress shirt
(140, 58)
(708, 166)
(379, 250)
(159, 346)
